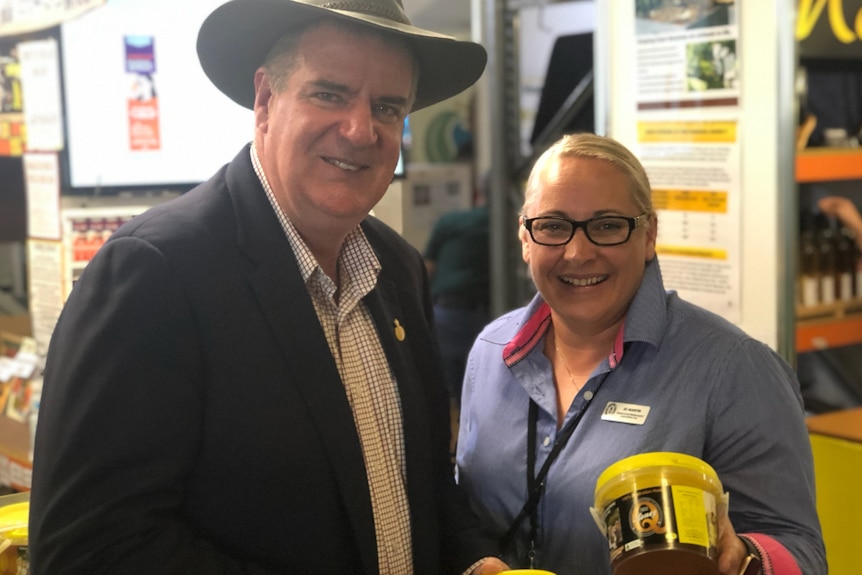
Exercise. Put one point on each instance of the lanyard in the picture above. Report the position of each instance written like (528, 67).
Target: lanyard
(536, 481)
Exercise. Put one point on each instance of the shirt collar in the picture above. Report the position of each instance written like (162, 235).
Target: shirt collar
(534, 331)
(644, 321)
(647, 315)
(358, 262)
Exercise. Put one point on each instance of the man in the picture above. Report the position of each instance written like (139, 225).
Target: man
(545, 382)
(245, 380)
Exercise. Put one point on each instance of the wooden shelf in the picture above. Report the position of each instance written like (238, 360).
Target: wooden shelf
(843, 424)
(828, 164)
(816, 330)
(831, 311)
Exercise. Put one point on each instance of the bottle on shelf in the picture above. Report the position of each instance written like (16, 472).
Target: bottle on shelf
(857, 257)
(809, 277)
(826, 257)
(845, 271)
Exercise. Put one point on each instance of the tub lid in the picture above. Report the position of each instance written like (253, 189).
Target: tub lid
(656, 459)
(14, 520)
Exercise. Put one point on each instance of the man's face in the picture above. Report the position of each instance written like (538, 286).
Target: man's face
(587, 286)
(330, 140)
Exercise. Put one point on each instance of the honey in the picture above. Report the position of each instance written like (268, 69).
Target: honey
(659, 512)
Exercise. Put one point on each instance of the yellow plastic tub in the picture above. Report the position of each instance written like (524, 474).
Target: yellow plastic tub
(14, 533)
(659, 512)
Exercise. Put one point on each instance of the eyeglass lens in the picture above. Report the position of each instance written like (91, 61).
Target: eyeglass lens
(602, 231)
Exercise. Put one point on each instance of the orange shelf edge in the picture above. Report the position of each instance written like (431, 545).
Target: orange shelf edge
(828, 164)
(812, 336)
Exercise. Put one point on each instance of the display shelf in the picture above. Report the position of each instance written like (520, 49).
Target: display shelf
(15, 465)
(825, 326)
(838, 324)
(828, 164)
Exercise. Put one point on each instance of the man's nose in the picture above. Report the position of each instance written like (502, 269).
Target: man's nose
(358, 125)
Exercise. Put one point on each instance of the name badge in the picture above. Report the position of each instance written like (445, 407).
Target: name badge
(625, 413)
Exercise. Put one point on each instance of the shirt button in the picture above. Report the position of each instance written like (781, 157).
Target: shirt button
(547, 441)
(588, 395)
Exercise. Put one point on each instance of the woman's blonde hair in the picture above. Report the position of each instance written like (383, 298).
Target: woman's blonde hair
(587, 145)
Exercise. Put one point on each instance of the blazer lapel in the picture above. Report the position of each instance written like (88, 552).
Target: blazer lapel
(282, 295)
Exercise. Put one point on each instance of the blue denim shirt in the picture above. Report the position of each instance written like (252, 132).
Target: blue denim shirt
(713, 392)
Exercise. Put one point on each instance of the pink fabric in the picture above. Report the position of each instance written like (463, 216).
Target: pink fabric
(617, 354)
(536, 327)
(529, 335)
(777, 560)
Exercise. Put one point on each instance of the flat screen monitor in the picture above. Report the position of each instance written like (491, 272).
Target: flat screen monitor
(140, 112)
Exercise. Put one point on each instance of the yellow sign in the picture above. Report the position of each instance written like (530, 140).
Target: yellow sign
(690, 201)
(705, 132)
(706, 253)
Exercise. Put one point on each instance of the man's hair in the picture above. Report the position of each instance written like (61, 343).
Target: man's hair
(282, 59)
(587, 145)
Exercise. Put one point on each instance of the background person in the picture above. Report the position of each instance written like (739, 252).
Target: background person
(457, 257)
(602, 329)
(846, 212)
(244, 380)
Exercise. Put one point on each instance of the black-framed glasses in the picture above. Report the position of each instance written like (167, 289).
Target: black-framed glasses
(602, 231)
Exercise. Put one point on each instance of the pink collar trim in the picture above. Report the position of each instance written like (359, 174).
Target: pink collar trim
(536, 328)
(528, 336)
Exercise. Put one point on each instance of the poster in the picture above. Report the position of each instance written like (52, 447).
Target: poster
(12, 132)
(46, 298)
(688, 140)
(693, 167)
(143, 101)
(42, 179)
(40, 85)
(687, 54)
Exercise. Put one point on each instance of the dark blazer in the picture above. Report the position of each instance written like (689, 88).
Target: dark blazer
(193, 419)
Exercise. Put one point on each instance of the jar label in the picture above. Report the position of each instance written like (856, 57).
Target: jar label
(663, 515)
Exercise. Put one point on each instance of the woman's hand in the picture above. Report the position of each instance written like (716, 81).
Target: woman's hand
(731, 550)
(491, 566)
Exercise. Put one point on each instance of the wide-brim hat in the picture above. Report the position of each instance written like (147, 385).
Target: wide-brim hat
(236, 37)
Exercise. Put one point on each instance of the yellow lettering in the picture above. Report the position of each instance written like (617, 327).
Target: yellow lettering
(839, 27)
(808, 17)
(810, 11)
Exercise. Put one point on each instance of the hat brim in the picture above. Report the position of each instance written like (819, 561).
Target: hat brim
(235, 38)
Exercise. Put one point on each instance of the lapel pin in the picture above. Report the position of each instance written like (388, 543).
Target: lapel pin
(399, 331)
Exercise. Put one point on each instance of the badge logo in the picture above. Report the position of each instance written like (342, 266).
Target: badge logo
(647, 518)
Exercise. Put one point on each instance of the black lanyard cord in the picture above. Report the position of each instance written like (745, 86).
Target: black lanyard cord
(536, 482)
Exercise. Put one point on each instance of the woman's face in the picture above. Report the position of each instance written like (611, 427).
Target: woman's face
(588, 287)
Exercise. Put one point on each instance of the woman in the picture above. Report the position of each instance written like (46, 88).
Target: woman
(664, 375)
